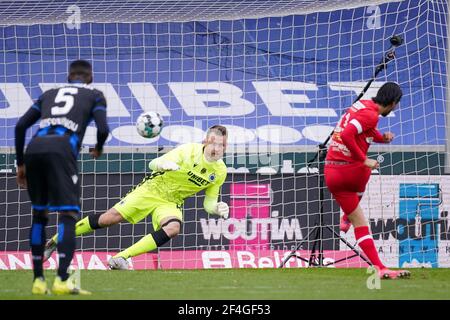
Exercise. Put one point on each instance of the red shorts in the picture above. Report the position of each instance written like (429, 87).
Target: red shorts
(347, 183)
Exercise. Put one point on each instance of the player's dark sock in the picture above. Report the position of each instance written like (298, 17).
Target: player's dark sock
(37, 243)
(160, 237)
(85, 225)
(66, 244)
(93, 221)
(148, 243)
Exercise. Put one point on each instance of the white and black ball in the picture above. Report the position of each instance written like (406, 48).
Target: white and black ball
(149, 124)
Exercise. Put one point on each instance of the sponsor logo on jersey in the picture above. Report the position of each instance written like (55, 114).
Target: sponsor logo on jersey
(197, 180)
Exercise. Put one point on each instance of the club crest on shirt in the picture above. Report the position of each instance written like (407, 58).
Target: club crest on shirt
(212, 177)
(203, 171)
(369, 140)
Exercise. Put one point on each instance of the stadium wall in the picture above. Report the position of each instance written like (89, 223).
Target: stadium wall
(392, 163)
(268, 218)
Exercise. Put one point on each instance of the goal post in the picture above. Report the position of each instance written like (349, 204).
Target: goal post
(278, 74)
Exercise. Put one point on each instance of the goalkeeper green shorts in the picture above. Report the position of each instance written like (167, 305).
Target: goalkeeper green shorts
(141, 202)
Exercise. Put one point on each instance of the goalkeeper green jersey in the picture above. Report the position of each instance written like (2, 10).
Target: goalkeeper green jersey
(195, 174)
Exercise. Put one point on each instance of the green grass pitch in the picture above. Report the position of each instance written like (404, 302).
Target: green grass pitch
(237, 284)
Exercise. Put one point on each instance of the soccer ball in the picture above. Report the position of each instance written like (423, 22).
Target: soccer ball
(149, 124)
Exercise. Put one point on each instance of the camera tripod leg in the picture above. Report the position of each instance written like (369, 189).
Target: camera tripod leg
(293, 254)
(348, 244)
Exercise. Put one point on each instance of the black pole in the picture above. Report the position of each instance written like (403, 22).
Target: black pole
(388, 57)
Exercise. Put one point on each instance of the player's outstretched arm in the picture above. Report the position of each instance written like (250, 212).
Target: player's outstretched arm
(171, 161)
(159, 164)
(213, 207)
(386, 137)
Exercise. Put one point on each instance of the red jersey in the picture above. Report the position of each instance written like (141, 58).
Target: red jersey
(354, 133)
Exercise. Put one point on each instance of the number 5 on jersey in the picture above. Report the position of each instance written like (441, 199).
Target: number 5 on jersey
(64, 95)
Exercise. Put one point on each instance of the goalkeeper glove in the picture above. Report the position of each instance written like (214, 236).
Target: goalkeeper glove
(168, 166)
(222, 210)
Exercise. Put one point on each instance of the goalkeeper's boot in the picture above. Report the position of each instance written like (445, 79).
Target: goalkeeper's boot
(50, 247)
(40, 286)
(67, 287)
(393, 274)
(118, 263)
(345, 224)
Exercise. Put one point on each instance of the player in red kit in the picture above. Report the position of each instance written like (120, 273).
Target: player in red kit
(347, 168)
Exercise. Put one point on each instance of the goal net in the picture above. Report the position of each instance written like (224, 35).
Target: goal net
(278, 74)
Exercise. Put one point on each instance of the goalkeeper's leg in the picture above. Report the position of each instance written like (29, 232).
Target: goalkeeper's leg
(86, 225)
(167, 219)
(170, 229)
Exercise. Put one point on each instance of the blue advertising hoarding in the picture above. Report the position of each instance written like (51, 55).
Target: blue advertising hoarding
(273, 80)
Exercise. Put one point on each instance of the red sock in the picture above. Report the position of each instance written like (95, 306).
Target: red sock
(366, 243)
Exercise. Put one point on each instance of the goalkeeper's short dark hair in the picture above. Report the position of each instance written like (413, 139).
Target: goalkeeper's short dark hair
(80, 70)
(218, 129)
(388, 93)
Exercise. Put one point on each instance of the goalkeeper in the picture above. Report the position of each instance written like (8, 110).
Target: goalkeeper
(177, 175)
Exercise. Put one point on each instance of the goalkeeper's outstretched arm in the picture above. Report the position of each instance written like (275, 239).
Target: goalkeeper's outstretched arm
(211, 204)
(171, 161)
